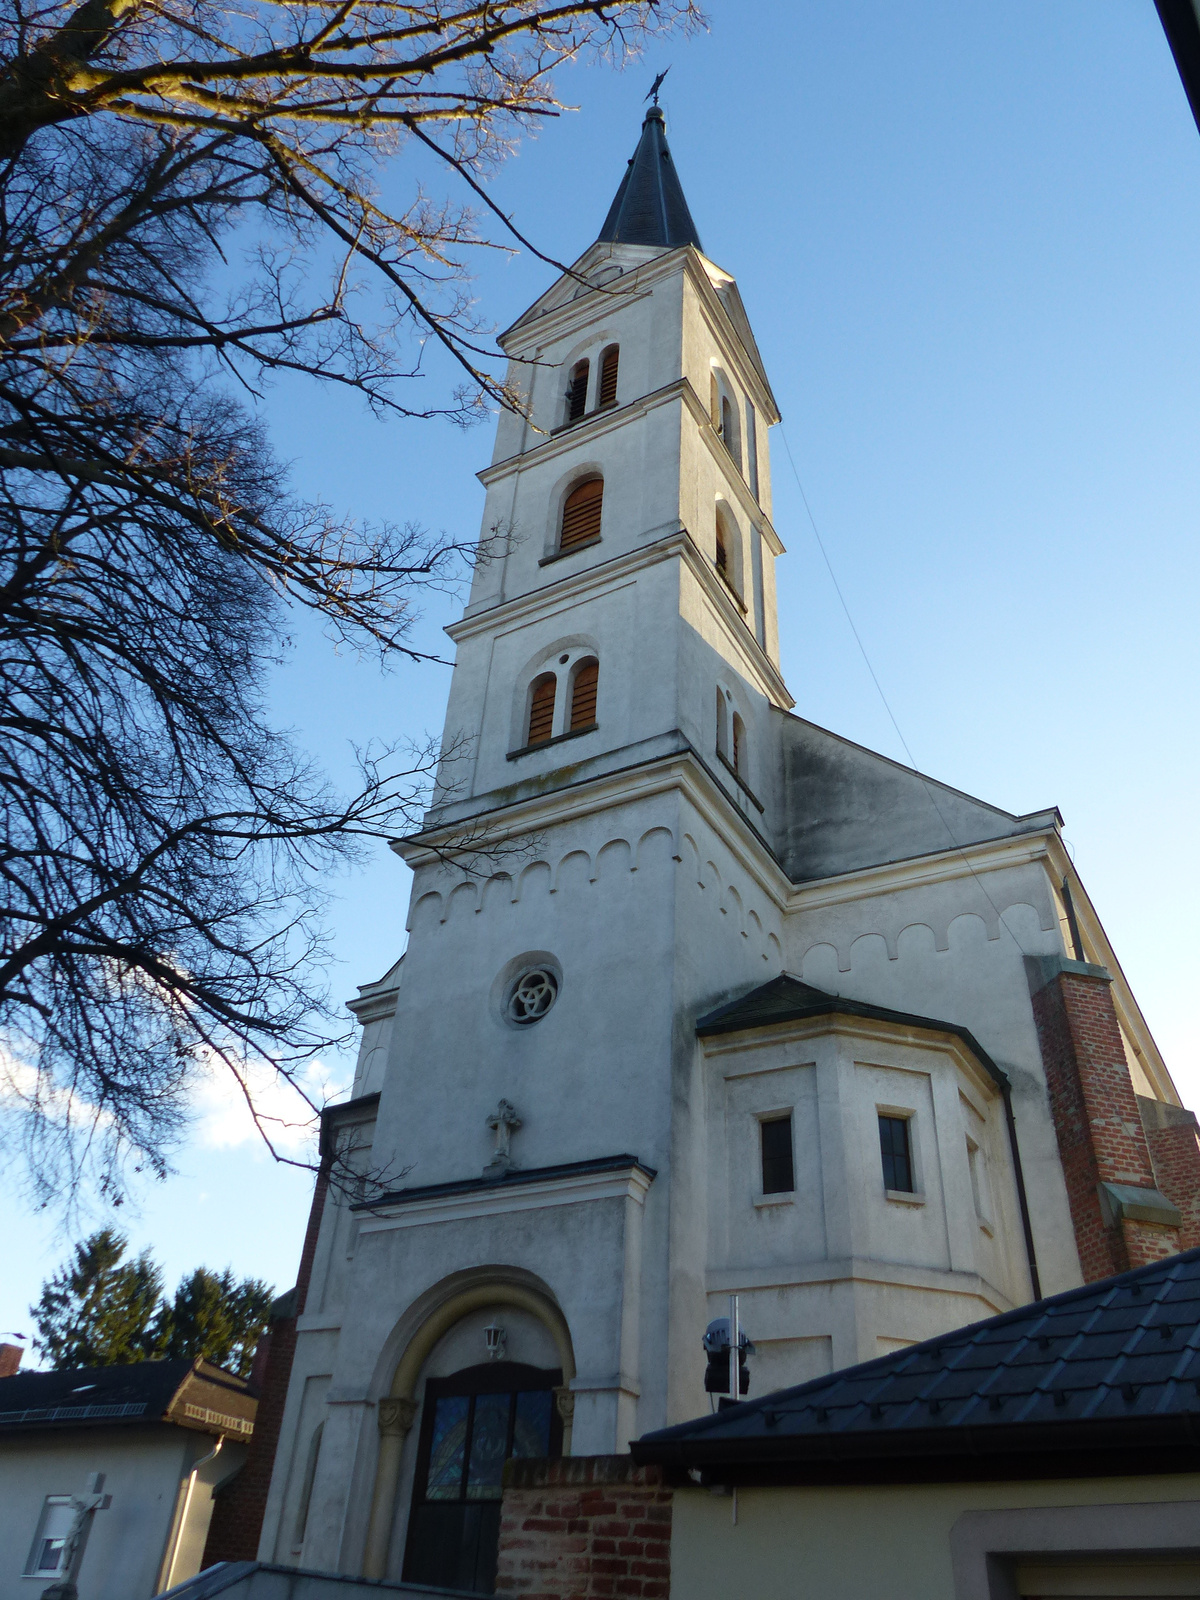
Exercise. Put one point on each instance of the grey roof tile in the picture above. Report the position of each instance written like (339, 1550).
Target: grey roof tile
(1113, 1354)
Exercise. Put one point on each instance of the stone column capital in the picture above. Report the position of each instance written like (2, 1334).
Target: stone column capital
(396, 1417)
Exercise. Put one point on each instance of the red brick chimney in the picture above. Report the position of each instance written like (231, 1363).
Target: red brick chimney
(10, 1359)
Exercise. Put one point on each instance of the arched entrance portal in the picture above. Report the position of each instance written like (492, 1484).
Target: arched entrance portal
(398, 1410)
(471, 1423)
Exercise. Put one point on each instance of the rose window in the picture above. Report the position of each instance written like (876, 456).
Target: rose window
(532, 996)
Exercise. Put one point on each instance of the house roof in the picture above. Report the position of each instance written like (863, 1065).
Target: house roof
(1100, 1378)
(190, 1394)
(787, 999)
(649, 207)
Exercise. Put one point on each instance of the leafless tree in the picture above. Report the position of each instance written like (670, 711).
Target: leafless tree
(192, 199)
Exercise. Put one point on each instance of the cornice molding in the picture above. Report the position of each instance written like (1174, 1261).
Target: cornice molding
(879, 1030)
(498, 1200)
(578, 586)
(587, 429)
(855, 1269)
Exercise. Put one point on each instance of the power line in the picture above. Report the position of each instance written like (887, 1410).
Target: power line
(886, 705)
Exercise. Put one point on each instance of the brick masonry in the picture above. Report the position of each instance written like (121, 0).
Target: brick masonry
(239, 1507)
(1099, 1125)
(1174, 1142)
(584, 1527)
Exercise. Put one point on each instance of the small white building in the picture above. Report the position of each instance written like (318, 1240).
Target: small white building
(163, 1435)
(699, 998)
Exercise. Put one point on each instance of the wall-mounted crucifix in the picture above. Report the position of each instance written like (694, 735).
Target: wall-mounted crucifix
(503, 1122)
(84, 1508)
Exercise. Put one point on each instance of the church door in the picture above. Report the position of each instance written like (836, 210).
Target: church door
(471, 1423)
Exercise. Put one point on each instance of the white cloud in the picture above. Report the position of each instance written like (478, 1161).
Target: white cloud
(222, 1120)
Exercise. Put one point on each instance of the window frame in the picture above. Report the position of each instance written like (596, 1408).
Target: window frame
(773, 1119)
(51, 1503)
(490, 1377)
(561, 549)
(573, 689)
(602, 383)
(905, 1118)
(539, 680)
(580, 370)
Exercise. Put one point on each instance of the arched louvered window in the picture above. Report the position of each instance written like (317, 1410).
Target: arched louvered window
(722, 725)
(581, 514)
(608, 377)
(739, 746)
(722, 548)
(714, 401)
(729, 429)
(577, 391)
(583, 694)
(541, 708)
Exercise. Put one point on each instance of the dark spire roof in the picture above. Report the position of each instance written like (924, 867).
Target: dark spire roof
(649, 207)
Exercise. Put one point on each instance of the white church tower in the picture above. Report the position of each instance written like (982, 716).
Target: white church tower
(730, 1005)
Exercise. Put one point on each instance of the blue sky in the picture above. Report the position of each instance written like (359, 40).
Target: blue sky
(968, 238)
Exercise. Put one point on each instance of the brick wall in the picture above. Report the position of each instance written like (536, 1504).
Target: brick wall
(238, 1509)
(584, 1527)
(1097, 1119)
(1174, 1142)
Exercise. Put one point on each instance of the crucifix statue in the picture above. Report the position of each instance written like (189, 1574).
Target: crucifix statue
(503, 1122)
(84, 1508)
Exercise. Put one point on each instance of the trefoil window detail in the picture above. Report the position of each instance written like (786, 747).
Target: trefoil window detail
(532, 996)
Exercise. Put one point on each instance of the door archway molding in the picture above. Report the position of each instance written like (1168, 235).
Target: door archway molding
(397, 1410)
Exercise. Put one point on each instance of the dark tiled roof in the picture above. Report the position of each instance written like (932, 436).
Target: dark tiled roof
(1114, 1365)
(91, 1394)
(649, 207)
(787, 999)
(196, 1394)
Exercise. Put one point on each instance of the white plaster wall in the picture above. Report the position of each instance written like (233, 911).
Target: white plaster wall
(873, 1543)
(143, 1469)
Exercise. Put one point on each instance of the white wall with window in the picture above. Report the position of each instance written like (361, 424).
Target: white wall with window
(150, 1536)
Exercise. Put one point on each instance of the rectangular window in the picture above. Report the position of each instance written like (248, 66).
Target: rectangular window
(896, 1150)
(778, 1174)
(53, 1527)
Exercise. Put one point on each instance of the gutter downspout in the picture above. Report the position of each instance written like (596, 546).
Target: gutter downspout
(1022, 1198)
(183, 1504)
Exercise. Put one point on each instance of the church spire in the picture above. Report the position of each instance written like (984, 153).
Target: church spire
(649, 207)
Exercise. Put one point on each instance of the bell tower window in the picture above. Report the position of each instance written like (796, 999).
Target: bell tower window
(608, 378)
(541, 709)
(581, 514)
(583, 694)
(577, 391)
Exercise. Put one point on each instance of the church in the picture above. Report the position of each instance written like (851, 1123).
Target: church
(699, 998)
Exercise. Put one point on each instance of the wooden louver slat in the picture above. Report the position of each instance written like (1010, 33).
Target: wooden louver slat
(583, 694)
(581, 514)
(608, 377)
(541, 709)
(577, 393)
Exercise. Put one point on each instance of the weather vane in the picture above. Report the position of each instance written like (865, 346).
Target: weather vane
(657, 84)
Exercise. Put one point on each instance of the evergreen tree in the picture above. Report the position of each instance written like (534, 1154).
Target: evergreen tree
(99, 1310)
(103, 1311)
(216, 1317)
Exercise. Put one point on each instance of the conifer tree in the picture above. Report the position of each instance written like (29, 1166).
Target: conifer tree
(214, 1316)
(103, 1311)
(99, 1310)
